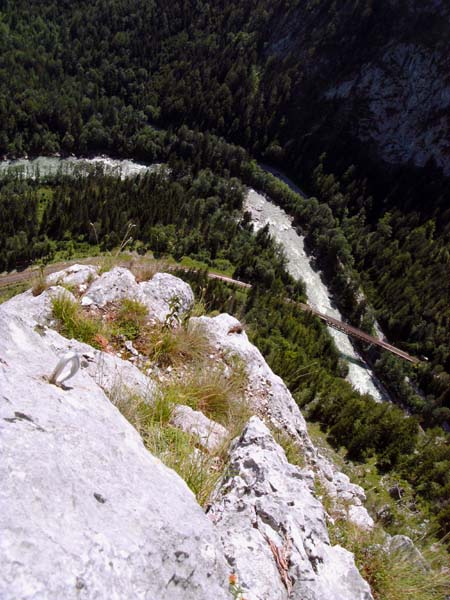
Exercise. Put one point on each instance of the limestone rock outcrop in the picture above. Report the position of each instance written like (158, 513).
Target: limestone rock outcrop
(85, 510)
(77, 275)
(270, 398)
(162, 295)
(273, 528)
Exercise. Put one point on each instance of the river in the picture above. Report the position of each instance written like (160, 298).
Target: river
(45, 166)
(299, 265)
(262, 211)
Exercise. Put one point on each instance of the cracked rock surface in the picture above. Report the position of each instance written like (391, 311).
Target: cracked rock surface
(85, 510)
(270, 398)
(273, 528)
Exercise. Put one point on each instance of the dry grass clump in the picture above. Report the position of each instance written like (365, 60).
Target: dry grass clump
(146, 269)
(177, 449)
(39, 283)
(173, 346)
(216, 390)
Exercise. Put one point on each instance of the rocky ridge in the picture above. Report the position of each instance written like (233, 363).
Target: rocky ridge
(86, 511)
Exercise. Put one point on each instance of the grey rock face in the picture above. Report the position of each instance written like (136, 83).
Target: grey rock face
(85, 510)
(387, 87)
(211, 435)
(162, 295)
(112, 286)
(273, 528)
(271, 399)
(75, 275)
(161, 291)
(408, 105)
(112, 374)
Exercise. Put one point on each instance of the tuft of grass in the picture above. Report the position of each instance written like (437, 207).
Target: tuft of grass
(215, 390)
(106, 264)
(146, 269)
(293, 452)
(131, 318)
(39, 284)
(173, 347)
(73, 323)
(175, 448)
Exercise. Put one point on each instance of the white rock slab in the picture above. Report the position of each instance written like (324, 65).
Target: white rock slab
(85, 510)
(267, 516)
(211, 435)
(38, 309)
(74, 275)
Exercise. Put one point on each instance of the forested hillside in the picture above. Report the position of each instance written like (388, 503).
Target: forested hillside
(275, 77)
(351, 100)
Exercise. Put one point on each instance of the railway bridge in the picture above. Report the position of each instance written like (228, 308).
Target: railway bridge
(349, 330)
